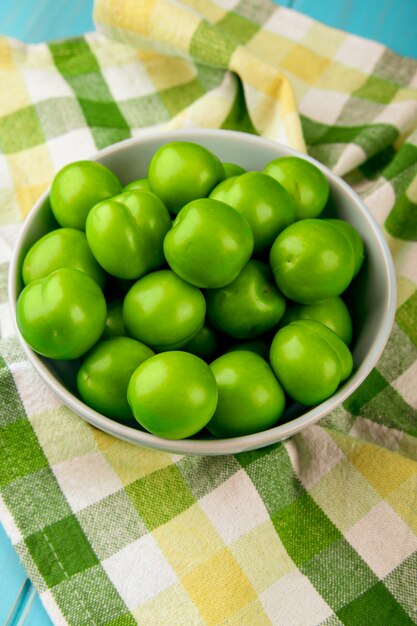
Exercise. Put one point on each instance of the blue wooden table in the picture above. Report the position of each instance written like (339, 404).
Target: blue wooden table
(391, 22)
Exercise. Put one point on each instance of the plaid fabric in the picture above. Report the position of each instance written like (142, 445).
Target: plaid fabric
(321, 529)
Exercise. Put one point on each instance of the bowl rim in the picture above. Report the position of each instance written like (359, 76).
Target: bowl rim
(232, 445)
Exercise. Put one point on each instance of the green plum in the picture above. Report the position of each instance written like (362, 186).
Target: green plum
(77, 188)
(247, 307)
(305, 183)
(114, 326)
(104, 375)
(208, 244)
(264, 203)
(182, 171)
(220, 191)
(126, 233)
(232, 169)
(333, 313)
(140, 183)
(250, 397)
(163, 311)
(173, 394)
(153, 221)
(355, 239)
(62, 315)
(116, 240)
(64, 247)
(205, 344)
(312, 261)
(310, 361)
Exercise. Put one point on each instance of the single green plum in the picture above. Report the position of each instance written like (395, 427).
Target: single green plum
(77, 188)
(305, 183)
(205, 344)
(208, 244)
(116, 240)
(63, 247)
(247, 307)
(140, 183)
(310, 361)
(232, 169)
(220, 191)
(62, 315)
(250, 397)
(264, 203)
(163, 311)
(173, 394)
(355, 240)
(332, 312)
(311, 261)
(153, 221)
(181, 171)
(114, 326)
(104, 375)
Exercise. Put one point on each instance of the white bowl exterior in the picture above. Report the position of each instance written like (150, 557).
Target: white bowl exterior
(129, 160)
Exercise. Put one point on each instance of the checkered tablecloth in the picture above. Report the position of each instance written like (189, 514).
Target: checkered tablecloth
(321, 529)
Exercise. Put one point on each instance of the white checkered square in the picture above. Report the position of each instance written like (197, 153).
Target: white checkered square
(73, 146)
(72, 476)
(382, 539)
(293, 600)
(360, 53)
(310, 467)
(140, 571)
(128, 81)
(43, 84)
(235, 507)
(406, 385)
(323, 105)
(289, 23)
(35, 396)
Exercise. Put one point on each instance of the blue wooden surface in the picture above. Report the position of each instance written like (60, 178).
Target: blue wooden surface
(393, 23)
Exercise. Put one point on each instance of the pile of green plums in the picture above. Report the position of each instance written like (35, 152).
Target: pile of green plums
(199, 296)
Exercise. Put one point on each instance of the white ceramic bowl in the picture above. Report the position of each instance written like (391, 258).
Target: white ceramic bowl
(373, 292)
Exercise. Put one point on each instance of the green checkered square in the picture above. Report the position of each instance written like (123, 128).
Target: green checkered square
(398, 356)
(73, 57)
(50, 504)
(371, 387)
(173, 496)
(375, 606)
(304, 529)
(406, 317)
(402, 221)
(204, 474)
(339, 574)
(59, 116)
(402, 585)
(20, 130)
(178, 98)
(377, 90)
(11, 407)
(390, 409)
(21, 454)
(264, 473)
(237, 27)
(221, 48)
(390, 69)
(111, 524)
(80, 599)
(61, 550)
(144, 111)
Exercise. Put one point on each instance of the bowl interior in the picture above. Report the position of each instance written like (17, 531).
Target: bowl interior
(370, 297)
